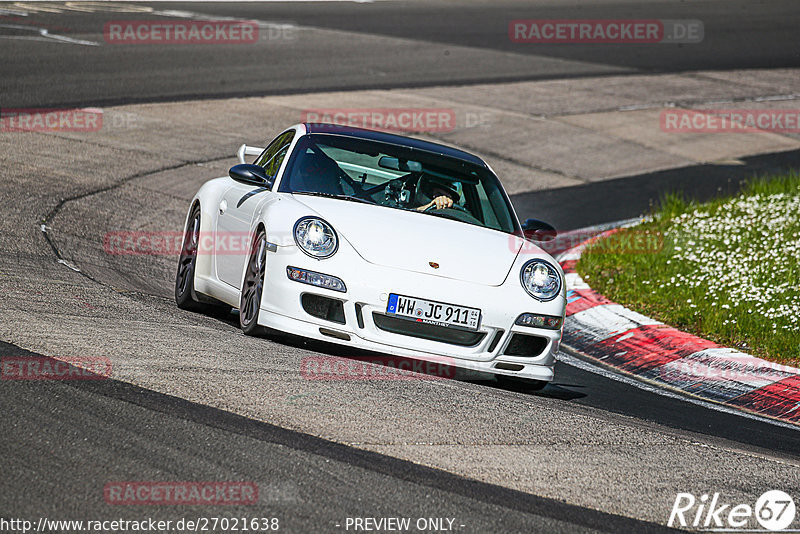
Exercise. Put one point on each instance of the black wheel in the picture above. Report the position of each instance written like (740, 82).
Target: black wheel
(520, 384)
(185, 295)
(253, 287)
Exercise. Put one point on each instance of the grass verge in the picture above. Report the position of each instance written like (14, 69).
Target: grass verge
(726, 270)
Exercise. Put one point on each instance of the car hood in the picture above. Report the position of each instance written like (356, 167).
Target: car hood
(412, 241)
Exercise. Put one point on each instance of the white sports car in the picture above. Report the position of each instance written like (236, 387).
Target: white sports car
(379, 242)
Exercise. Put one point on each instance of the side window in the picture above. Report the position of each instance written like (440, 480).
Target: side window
(272, 157)
(273, 165)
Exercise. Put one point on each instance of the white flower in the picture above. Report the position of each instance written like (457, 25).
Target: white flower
(744, 252)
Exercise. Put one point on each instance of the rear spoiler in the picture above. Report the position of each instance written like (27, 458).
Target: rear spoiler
(245, 150)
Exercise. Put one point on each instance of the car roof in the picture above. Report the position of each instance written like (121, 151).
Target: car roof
(373, 135)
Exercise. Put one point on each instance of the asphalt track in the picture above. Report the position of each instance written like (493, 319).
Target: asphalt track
(310, 483)
(422, 44)
(65, 440)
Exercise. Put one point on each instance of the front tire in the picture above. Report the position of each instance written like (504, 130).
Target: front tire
(253, 287)
(185, 296)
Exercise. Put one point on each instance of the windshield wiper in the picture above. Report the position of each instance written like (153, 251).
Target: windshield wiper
(331, 195)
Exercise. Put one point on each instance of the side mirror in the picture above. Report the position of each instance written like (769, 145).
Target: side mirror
(249, 174)
(537, 230)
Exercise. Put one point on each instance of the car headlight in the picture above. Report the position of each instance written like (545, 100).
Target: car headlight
(541, 280)
(315, 237)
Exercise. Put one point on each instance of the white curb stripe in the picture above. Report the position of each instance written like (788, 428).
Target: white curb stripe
(605, 321)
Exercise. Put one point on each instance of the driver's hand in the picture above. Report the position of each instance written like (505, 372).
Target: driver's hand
(439, 202)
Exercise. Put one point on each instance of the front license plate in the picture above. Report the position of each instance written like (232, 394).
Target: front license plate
(432, 312)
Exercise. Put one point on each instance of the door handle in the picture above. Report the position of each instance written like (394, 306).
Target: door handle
(223, 206)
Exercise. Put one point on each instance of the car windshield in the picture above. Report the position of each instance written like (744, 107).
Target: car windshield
(397, 177)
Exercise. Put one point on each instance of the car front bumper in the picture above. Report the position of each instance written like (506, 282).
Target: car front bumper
(363, 323)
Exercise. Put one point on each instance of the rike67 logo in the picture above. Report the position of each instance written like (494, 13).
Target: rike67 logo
(773, 511)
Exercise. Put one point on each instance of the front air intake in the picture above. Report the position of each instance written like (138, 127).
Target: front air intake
(495, 340)
(323, 308)
(525, 345)
(509, 366)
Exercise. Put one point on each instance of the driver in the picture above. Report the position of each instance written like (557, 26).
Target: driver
(443, 194)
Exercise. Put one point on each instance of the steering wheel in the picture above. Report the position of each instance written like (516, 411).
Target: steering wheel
(455, 206)
(455, 212)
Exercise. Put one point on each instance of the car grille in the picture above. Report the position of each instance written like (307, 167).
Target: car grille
(431, 332)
